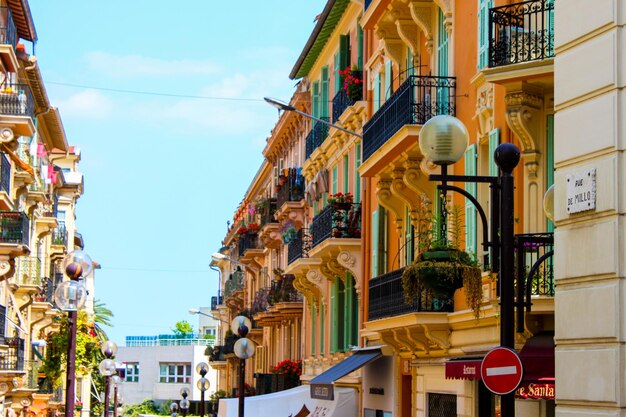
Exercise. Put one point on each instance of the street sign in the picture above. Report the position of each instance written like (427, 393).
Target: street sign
(501, 370)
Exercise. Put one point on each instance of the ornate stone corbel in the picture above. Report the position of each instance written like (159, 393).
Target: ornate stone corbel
(404, 193)
(388, 200)
(440, 338)
(5, 268)
(420, 344)
(351, 261)
(522, 115)
(422, 14)
(408, 31)
(391, 43)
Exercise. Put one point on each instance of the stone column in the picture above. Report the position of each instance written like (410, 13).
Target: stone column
(590, 252)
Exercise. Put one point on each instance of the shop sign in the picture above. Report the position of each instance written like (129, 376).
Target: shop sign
(581, 191)
(536, 391)
(322, 391)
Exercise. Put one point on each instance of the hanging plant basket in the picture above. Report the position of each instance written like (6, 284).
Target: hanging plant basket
(443, 271)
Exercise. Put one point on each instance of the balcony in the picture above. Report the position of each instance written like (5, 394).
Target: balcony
(521, 32)
(529, 248)
(8, 40)
(216, 300)
(28, 270)
(418, 99)
(342, 99)
(233, 283)
(46, 295)
(342, 220)
(299, 247)
(12, 354)
(267, 209)
(291, 187)
(59, 235)
(283, 291)
(16, 100)
(14, 228)
(316, 136)
(386, 298)
(248, 241)
(5, 175)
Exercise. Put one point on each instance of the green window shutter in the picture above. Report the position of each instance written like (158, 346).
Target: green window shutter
(357, 176)
(324, 100)
(348, 308)
(322, 328)
(344, 51)
(410, 69)
(316, 208)
(324, 199)
(408, 238)
(334, 315)
(374, 243)
(313, 326)
(382, 244)
(359, 36)
(376, 92)
(316, 99)
(470, 209)
(335, 178)
(550, 160)
(442, 45)
(437, 213)
(341, 318)
(337, 76)
(388, 78)
(346, 174)
(483, 32)
(494, 141)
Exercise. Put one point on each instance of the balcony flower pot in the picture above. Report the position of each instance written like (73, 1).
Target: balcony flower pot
(442, 271)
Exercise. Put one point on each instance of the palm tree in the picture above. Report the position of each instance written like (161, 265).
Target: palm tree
(102, 317)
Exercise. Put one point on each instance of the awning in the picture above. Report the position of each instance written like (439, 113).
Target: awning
(467, 367)
(291, 402)
(537, 358)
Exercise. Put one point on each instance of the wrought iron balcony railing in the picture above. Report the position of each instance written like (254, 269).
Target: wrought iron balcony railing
(529, 248)
(342, 100)
(14, 227)
(46, 295)
(216, 300)
(260, 302)
(28, 270)
(16, 99)
(342, 220)
(291, 187)
(8, 32)
(416, 100)
(5, 175)
(267, 211)
(299, 247)
(233, 283)
(248, 241)
(521, 32)
(12, 354)
(283, 291)
(386, 298)
(316, 136)
(59, 235)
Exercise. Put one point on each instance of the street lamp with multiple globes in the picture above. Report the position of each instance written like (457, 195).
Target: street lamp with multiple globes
(174, 409)
(107, 369)
(444, 139)
(203, 384)
(244, 349)
(70, 296)
(117, 380)
(184, 403)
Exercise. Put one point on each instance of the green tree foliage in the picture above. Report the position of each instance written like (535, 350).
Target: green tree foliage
(88, 353)
(183, 329)
(146, 407)
(102, 317)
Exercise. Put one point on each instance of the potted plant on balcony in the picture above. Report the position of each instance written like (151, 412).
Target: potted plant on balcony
(286, 374)
(441, 267)
(352, 82)
(341, 201)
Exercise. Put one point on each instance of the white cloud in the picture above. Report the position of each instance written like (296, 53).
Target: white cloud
(127, 66)
(86, 104)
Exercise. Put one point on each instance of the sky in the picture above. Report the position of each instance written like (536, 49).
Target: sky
(163, 173)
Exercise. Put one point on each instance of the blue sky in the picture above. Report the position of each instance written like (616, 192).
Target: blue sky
(164, 174)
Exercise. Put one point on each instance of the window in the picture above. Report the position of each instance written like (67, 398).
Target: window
(132, 372)
(441, 405)
(483, 32)
(175, 373)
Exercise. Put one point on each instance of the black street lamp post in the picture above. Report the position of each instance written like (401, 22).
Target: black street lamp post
(107, 369)
(202, 384)
(184, 403)
(70, 296)
(244, 349)
(444, 139)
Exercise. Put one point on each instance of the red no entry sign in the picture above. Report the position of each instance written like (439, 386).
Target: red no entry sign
(501, 370)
